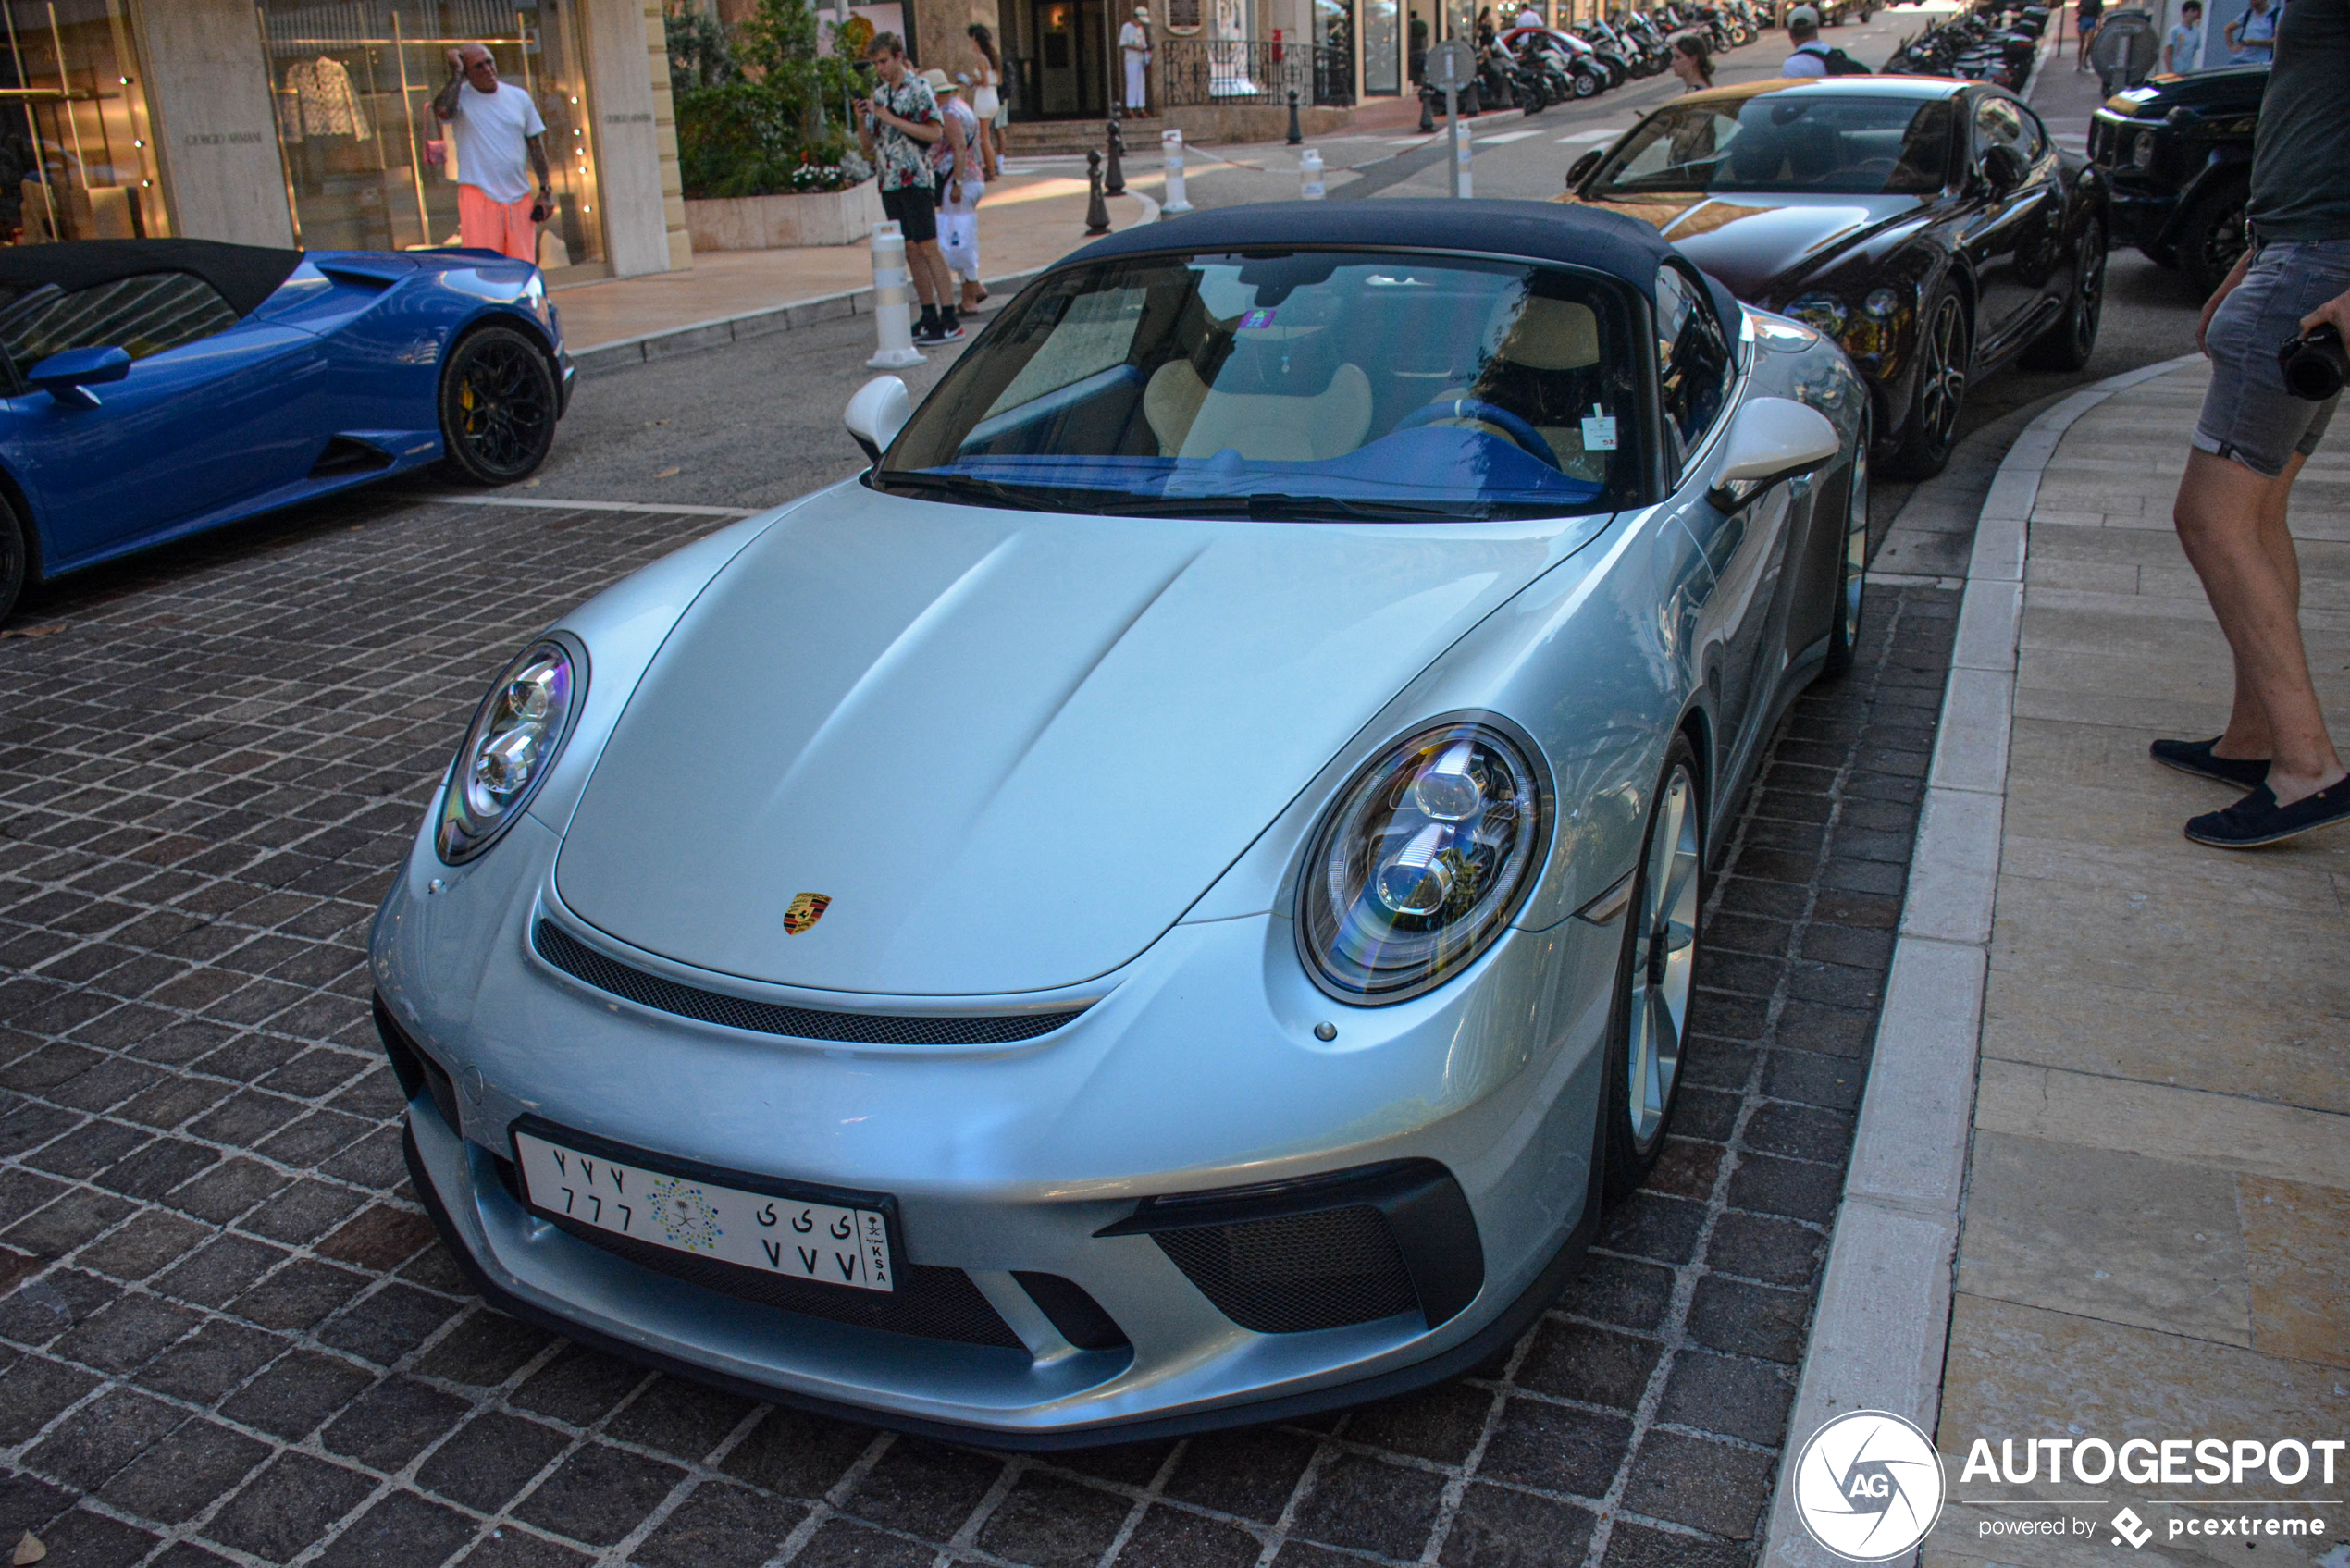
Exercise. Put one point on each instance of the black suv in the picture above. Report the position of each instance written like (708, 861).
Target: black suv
(2178, 155)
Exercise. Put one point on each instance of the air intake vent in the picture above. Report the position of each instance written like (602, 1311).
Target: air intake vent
(1298, 1272)
(582, 962)
(1324, 1251)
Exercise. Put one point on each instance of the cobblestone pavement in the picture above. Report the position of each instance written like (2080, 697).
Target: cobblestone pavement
(228, 1333)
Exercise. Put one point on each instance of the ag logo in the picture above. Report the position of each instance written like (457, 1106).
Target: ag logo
(1868, 1486)
(806, 910)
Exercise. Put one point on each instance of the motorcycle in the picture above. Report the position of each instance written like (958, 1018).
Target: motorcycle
(1619, 69)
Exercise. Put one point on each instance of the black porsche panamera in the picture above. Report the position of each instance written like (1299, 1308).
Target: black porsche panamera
(1931, 226)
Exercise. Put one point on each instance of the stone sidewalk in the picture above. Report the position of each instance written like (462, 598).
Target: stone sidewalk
(2156, 1239)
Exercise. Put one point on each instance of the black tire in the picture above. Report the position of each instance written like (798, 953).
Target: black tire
(498, 406)
(1945, 353)
(1852, 565)
(2069, 344)
(2211, 238)
(1586, 84)
(16, 558)
(1655, 964)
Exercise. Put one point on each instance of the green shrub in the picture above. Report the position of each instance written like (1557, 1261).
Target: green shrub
(765, 116)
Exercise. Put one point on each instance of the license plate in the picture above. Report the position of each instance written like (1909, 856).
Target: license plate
(775, 1235)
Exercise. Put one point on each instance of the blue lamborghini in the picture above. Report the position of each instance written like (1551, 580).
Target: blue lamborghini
(158, 388)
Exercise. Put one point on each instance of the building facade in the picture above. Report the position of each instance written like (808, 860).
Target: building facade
(309, 123)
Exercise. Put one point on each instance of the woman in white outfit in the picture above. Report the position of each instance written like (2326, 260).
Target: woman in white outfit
(987, 101)
(1135, 43)
(955, 167)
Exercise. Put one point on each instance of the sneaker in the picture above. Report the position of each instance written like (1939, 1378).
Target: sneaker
(937, 333)
(2257, 819)
(2195, 757)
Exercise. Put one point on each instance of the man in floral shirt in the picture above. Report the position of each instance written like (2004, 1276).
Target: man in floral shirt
(896, 127)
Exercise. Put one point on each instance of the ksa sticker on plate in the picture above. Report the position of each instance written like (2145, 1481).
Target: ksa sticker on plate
(773, 1235)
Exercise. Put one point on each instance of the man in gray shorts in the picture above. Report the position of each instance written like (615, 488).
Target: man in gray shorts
(2253, 437)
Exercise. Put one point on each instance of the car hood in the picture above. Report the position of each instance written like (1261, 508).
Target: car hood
(1759, 243)
(1011, 748)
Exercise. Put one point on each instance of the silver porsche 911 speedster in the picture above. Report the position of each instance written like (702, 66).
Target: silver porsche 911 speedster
(1171, 900)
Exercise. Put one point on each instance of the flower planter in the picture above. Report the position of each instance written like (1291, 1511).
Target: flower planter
(770, 223)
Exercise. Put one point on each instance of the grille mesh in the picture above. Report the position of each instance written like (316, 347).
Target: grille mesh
(932, 1303)
(582, 962)
(1295, 1272)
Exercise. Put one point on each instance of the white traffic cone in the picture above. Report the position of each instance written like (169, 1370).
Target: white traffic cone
(1171, 150)
(897, 350)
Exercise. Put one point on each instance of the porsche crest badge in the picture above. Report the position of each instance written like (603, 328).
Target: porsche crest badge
(805, 911)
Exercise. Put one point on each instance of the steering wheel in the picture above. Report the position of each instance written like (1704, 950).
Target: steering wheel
(1478, 411)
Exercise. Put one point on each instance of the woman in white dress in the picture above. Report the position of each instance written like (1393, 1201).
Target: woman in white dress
(987, 101)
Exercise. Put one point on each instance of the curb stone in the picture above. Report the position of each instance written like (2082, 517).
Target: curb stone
(1883, 1324)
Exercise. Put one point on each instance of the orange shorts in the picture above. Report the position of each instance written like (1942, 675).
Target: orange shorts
(505, 227)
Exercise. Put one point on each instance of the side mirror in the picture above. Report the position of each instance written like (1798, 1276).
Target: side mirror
(1581, 167)
(2003, 167)
(877, 413)
(1773, 439)
(68, 376)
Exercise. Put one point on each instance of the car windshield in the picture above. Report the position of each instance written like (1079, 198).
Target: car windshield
(1855, 145)
(1305, 384)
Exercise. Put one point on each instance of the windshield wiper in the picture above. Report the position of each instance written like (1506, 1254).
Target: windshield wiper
(1274, 507)
(959, 487)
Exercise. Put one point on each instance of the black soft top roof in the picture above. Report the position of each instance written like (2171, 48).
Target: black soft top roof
(245, 275)
(1552, 231)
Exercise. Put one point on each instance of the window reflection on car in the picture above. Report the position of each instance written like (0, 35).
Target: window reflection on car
(1308, 385)
(1855, 145)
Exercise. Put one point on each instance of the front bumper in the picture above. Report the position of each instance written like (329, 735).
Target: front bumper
(1183, 1074)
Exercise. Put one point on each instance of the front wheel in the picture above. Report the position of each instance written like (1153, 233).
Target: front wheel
(15, 557)
(498, 406)
(1586, 84)
(1945, 354)
(1655, 978)
(2213, 238)
(1852, 566)
(2069, 344)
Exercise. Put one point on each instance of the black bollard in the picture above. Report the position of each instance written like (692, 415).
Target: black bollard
(1296, 137)
(1114, 178)
(1428, 118)
(1096, 209)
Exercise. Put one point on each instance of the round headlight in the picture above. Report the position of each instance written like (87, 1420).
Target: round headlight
(510, 747)
(1823, 314)
(1421, 862)
(1882, 304)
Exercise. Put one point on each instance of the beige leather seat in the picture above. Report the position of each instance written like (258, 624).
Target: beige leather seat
(1193, 419)
(1544, 337)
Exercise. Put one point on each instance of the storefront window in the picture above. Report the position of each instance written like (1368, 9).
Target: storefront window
(369, 166)
(76, 159)
(1382, 47)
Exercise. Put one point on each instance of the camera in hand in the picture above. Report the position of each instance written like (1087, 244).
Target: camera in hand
(2315, 365)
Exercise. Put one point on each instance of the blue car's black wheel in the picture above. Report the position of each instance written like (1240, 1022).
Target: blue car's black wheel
(16, 559)
(498, 406)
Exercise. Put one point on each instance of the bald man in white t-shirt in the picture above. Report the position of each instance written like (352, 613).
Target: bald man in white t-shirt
(495, 127)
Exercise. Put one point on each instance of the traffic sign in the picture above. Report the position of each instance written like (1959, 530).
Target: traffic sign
(1451, 64)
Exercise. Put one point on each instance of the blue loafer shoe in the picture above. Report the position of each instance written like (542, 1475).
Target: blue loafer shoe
(2195, 757)
(2257, 819)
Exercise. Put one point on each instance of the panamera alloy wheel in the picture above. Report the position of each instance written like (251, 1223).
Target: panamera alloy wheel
(1844, 636)
(498, 406)
(1659, 972)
